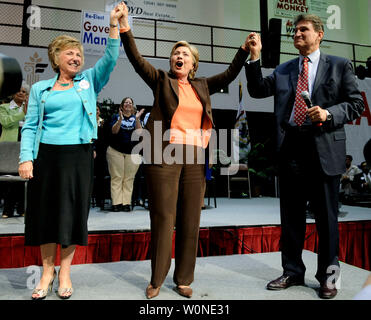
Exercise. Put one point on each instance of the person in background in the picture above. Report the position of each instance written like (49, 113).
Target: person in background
(310, 145)
(12, 114)
(122, 164)
(11, 119)
(362, 180)
(139, 197)
(181, 104)
(100, 162)
(367, 151)
(347, 178)
(365, 293)
(57, 155)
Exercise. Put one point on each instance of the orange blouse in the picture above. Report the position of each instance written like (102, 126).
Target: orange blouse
(185, 125)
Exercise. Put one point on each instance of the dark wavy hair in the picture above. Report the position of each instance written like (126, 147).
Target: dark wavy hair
(315, 20)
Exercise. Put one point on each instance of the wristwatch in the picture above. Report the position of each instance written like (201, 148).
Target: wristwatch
(329, 116)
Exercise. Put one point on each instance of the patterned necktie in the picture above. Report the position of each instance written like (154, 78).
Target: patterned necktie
(300, 106)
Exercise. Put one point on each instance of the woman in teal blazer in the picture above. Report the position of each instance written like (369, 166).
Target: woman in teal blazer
(57, 156)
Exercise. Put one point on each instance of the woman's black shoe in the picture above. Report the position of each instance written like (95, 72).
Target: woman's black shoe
(116, 207)
(126, 208)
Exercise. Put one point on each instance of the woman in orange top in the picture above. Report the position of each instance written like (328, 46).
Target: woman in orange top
(181, 104)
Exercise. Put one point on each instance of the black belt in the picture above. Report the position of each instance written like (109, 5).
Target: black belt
(302, 129)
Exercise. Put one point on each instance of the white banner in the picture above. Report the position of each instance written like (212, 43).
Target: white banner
(291, 8)
(151, 9)
(344, 21)
(95, 31)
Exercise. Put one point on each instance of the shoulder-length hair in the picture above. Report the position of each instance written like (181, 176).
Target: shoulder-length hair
(59, 44)
(194, 52)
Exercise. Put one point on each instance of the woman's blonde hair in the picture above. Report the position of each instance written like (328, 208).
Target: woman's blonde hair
(59, 44)
(194, 52)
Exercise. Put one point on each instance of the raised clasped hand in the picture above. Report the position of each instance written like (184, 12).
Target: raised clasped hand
(115, 14)
(124, 13)
(253, 42)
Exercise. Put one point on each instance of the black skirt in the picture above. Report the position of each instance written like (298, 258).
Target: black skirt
(58, 197)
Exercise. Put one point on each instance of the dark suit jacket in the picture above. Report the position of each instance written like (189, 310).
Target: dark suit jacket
(165, 88)
(335, 89)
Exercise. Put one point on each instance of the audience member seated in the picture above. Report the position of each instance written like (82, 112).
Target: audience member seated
(346, 180)
(362, 181)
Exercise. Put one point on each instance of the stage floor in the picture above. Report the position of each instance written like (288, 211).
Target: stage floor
(229, 213)
(235, 277)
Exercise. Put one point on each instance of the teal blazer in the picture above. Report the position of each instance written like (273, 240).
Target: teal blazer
(87, 84)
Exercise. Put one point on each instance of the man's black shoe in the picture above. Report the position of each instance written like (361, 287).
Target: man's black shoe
(284, 282)
(327, 292)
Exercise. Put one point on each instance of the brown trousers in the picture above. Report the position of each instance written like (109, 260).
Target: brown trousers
(175, 193)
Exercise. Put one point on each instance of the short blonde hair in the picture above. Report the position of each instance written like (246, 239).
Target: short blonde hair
(59, 44)
(194, 52)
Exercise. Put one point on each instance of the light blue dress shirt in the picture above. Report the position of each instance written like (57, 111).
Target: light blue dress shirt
(312, 72)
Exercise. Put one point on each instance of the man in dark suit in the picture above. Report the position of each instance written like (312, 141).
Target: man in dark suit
(310, 145)
(362, 180)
